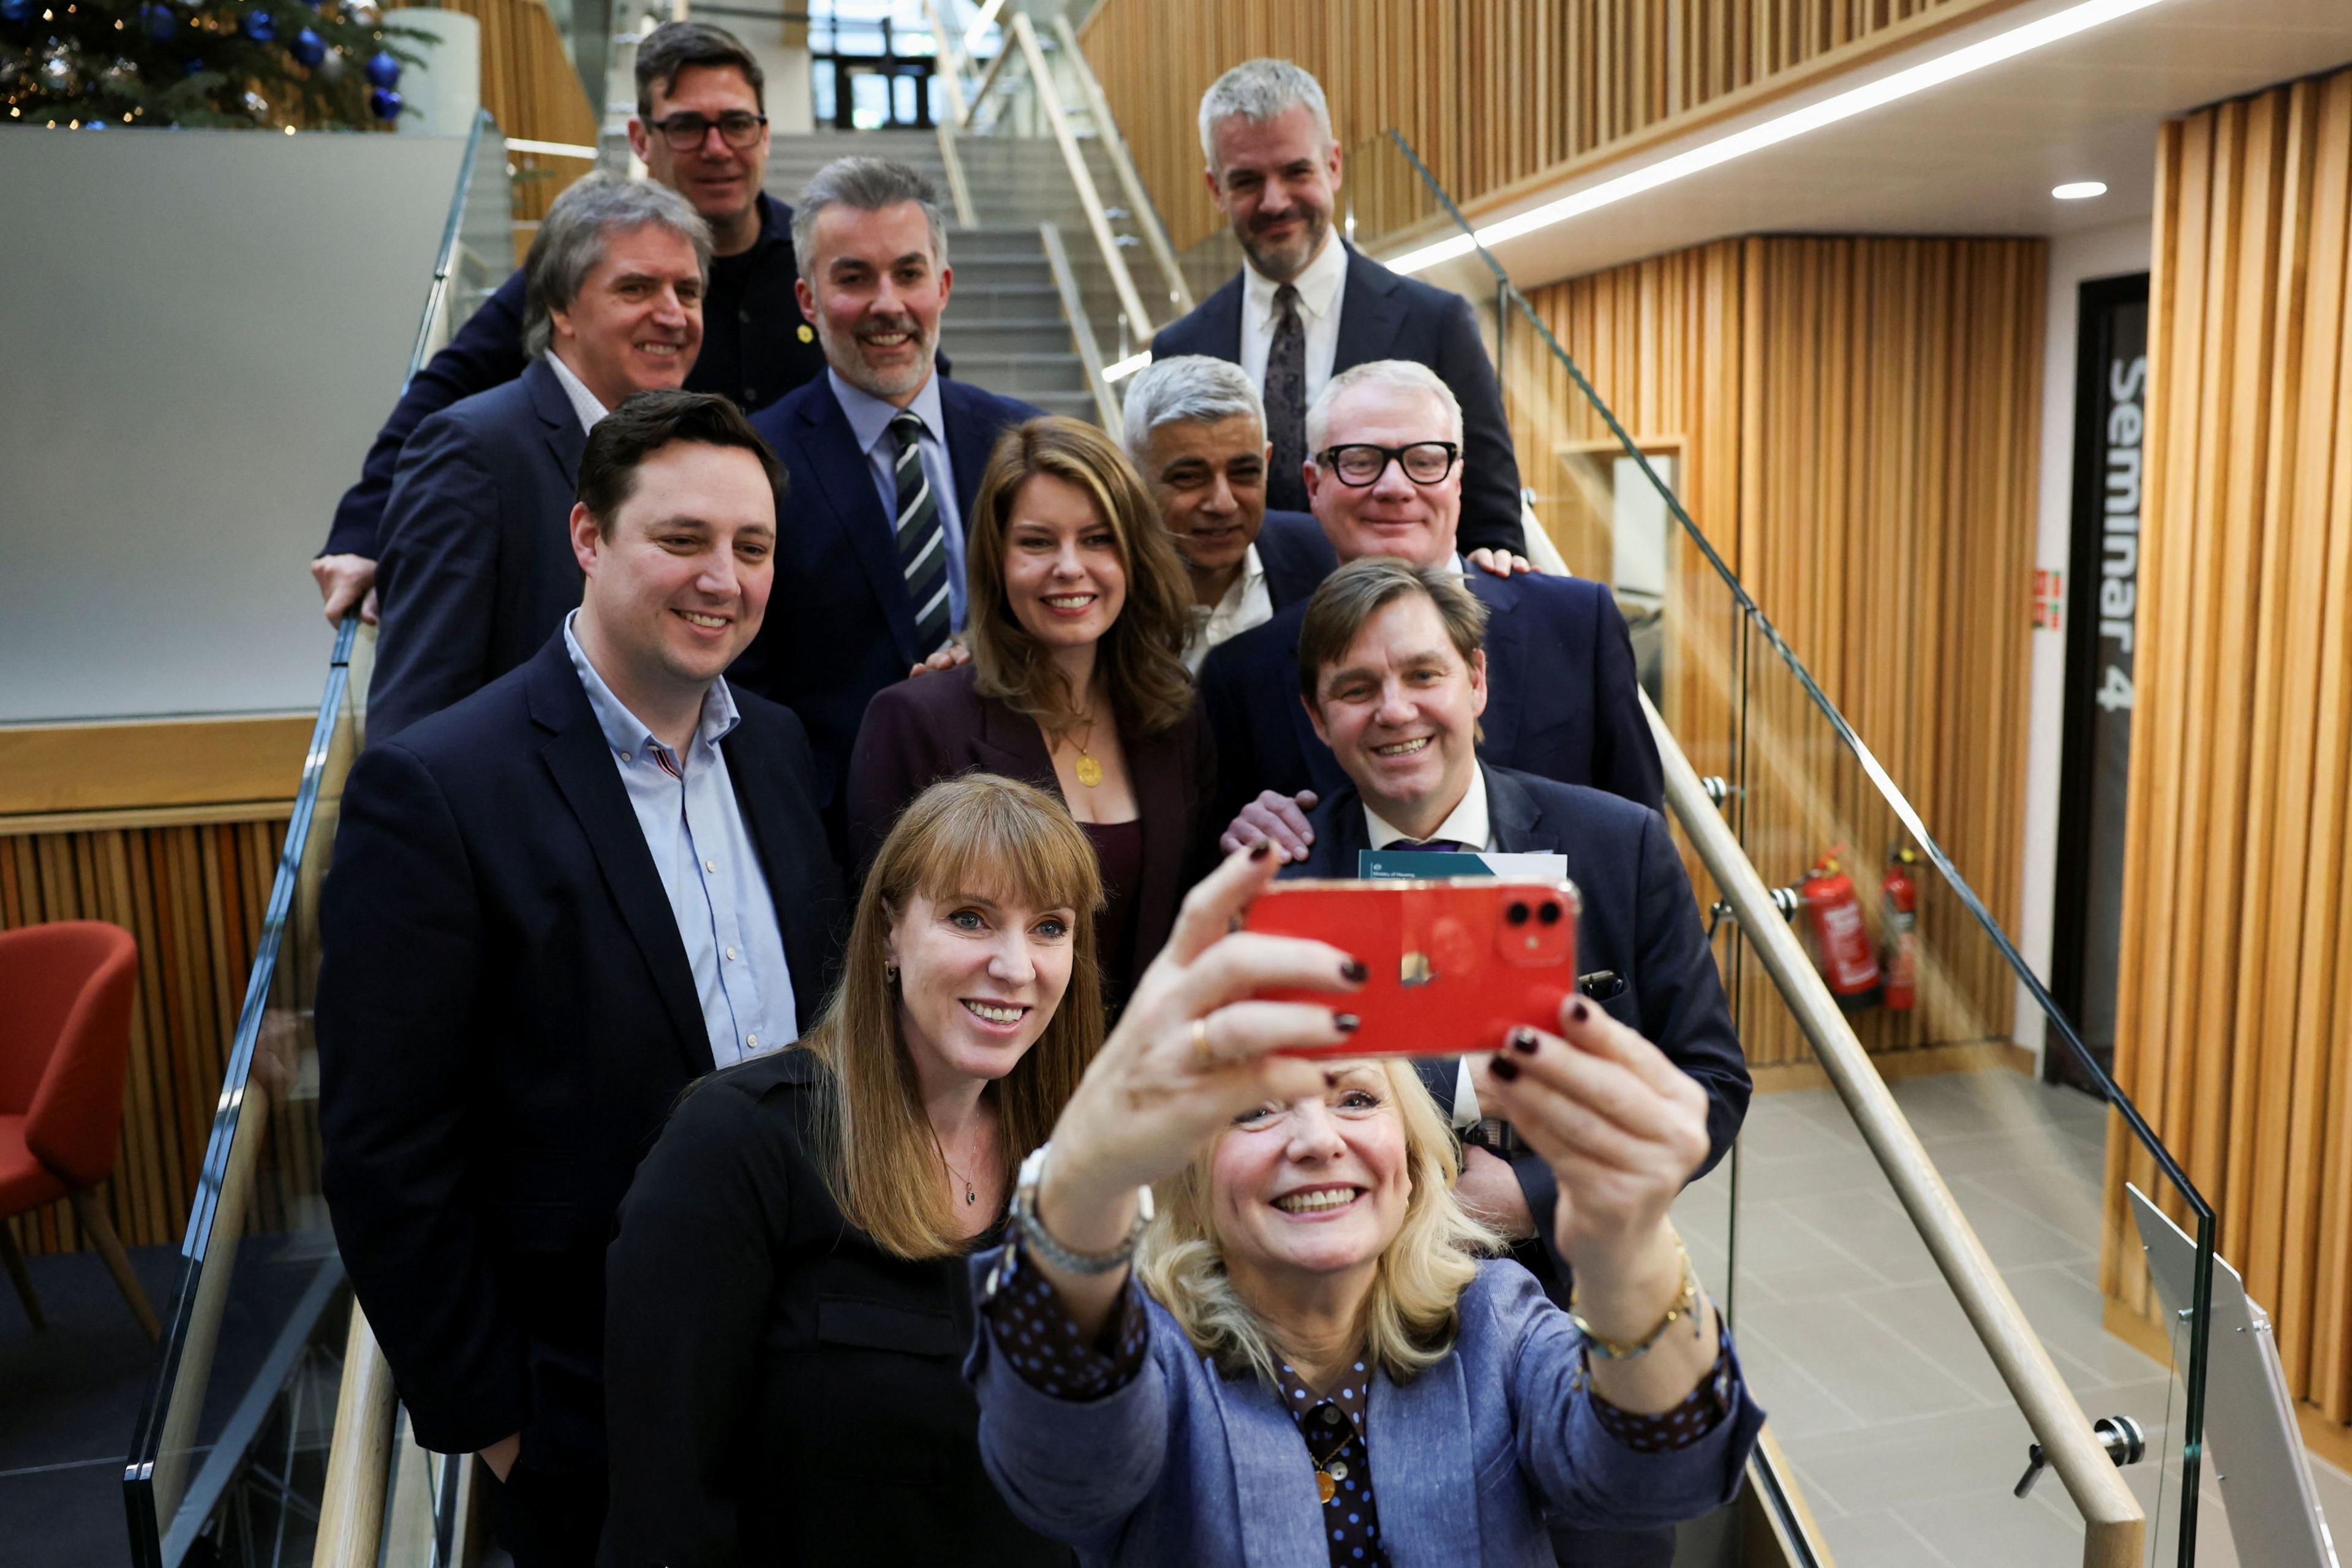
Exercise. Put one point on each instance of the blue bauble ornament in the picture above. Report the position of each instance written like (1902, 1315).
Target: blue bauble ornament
(15, 10)
(309, 47)
(385, 102)
(158, 22)
(258, 26)
(382, 70)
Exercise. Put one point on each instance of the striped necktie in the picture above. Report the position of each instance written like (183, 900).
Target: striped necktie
(922, 543)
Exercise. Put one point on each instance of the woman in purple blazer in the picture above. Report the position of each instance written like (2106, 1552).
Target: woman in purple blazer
(1318, 1367)
(1076, 682)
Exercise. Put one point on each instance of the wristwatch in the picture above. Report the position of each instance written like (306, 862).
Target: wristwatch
(1041, 1243)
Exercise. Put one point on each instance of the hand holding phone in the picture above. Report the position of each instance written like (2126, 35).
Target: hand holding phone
(1456, 963)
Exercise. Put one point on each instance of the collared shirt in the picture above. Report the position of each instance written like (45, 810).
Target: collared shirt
(1320, 286)
(1247, 604)
(694, 827)
(869, 421)
(1466, 824)
(583, 402)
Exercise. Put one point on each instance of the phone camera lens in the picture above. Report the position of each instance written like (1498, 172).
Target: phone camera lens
(1550, 914)
(1517, 913)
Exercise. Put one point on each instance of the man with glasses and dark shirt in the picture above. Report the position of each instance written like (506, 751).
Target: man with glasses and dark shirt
(701, 129)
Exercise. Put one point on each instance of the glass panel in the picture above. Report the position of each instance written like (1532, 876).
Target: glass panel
(1899, 1428)
(231, 1445)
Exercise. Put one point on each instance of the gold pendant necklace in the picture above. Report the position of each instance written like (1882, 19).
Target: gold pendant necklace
(1088, 771)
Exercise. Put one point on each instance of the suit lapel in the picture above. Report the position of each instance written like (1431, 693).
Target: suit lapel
(834, 457)
(1506, 665)
(566, 441)
(970, 437)
(1274, 1482)
(1219, 325)
(1512, 815)
(1155, 765)
(1428, 1496)
(1370, 314)
(582, 764)
(1011, 743)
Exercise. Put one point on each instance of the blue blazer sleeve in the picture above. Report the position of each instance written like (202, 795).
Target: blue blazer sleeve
(1074, 1471)
(437, 578)
(1625, 754)
(1586, 1476)
(486, 352)
(1490, 469)
(1680, 995)
(398, 1064)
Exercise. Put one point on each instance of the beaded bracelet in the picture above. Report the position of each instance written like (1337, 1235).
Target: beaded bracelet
(1686, 1304)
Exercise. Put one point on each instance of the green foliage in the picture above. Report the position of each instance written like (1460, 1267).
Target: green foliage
(125, 63)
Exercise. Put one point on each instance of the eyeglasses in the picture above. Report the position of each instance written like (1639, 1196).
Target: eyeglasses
(685, 132)
(1359, 463)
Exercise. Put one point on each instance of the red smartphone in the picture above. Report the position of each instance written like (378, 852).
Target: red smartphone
(1457, 962)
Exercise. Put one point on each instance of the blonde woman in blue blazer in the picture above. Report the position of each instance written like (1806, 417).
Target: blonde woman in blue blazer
(1305, 1358)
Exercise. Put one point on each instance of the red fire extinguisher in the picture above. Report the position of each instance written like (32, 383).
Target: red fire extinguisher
(1899, 919)
(1840, 937)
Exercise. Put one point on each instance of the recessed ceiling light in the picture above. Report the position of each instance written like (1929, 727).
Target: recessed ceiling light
(2080, 191)
(1958, 62)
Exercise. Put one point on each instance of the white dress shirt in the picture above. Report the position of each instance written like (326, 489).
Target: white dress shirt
(1320, 287)
(869, 420)
(1247, 604)
(583, 402)
(1467, 825)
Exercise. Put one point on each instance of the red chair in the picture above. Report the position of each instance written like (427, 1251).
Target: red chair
(65, 1044)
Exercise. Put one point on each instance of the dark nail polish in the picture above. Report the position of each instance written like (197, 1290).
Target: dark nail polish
(1346, 1022)
(1354, 973)
(1579, 1012)
(1503, 1067)
(1524, 1039)
(1262, 849)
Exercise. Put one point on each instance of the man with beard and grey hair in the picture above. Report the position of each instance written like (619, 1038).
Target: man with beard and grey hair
(885, 456)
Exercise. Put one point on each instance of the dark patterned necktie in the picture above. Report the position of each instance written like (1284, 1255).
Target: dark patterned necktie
(1285, 404)
(922, 543)
(1434, 846)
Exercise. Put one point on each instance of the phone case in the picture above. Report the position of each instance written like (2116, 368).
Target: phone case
(1456, 964)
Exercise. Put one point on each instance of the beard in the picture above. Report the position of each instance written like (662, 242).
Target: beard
(846, 355)
(1285, 260)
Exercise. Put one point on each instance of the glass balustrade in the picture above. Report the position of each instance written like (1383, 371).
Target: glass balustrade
(1898, 1427)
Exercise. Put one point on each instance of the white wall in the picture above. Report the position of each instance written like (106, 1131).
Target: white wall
(2112, 251)
(203, 330)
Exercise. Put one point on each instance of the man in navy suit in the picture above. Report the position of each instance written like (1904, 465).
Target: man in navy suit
(476, 569)
(1196, 430)
(553, 907)
(1307, 306)
(1564, 703)
(701, 129)
(885, 456)
(1393, 678)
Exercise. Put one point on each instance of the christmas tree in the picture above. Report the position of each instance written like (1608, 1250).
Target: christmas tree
(108, 64)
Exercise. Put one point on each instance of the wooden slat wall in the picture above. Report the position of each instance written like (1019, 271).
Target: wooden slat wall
(193, 897)
(530, 88)
(1854, 420)
(1491, 92)
(2234, 1027)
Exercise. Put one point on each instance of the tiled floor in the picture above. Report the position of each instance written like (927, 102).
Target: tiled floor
(1905, 1441)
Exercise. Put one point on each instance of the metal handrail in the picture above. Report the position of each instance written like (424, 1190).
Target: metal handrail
(1138, 200)
(1098, 219)
(950, 58)
(1082, 331)
(959, 189)
(2114, 1525)
(987, 80)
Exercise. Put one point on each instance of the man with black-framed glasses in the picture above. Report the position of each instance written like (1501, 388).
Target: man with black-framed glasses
(1384, 475)
(700, 129)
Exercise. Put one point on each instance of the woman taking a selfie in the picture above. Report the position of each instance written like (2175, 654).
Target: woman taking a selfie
(789, 1295)
(1317, 1367)
(1077, 684)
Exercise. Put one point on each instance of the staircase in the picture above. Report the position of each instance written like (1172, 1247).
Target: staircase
(1004, 329)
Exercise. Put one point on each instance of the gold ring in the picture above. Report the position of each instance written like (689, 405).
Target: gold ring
(1203, 1057)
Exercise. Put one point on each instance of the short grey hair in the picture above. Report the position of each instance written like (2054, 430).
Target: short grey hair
(1394, 374)
(1257, 90)
(869, 185)
(574, 238)
(1189, 389)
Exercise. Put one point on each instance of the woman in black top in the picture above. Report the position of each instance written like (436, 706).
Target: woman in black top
(789, 1301)
(1077, 684)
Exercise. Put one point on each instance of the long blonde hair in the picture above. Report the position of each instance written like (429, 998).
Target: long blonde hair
(976, 834)
(1409, 1319)
(1141, 657)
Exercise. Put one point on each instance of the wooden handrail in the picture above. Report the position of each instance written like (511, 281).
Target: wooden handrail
(950, 67)
(2114, 1527)
(1082, 331)
(351, 1509)
(1050, 100)
(987, 80)
(1138, 200)
(959, 189)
